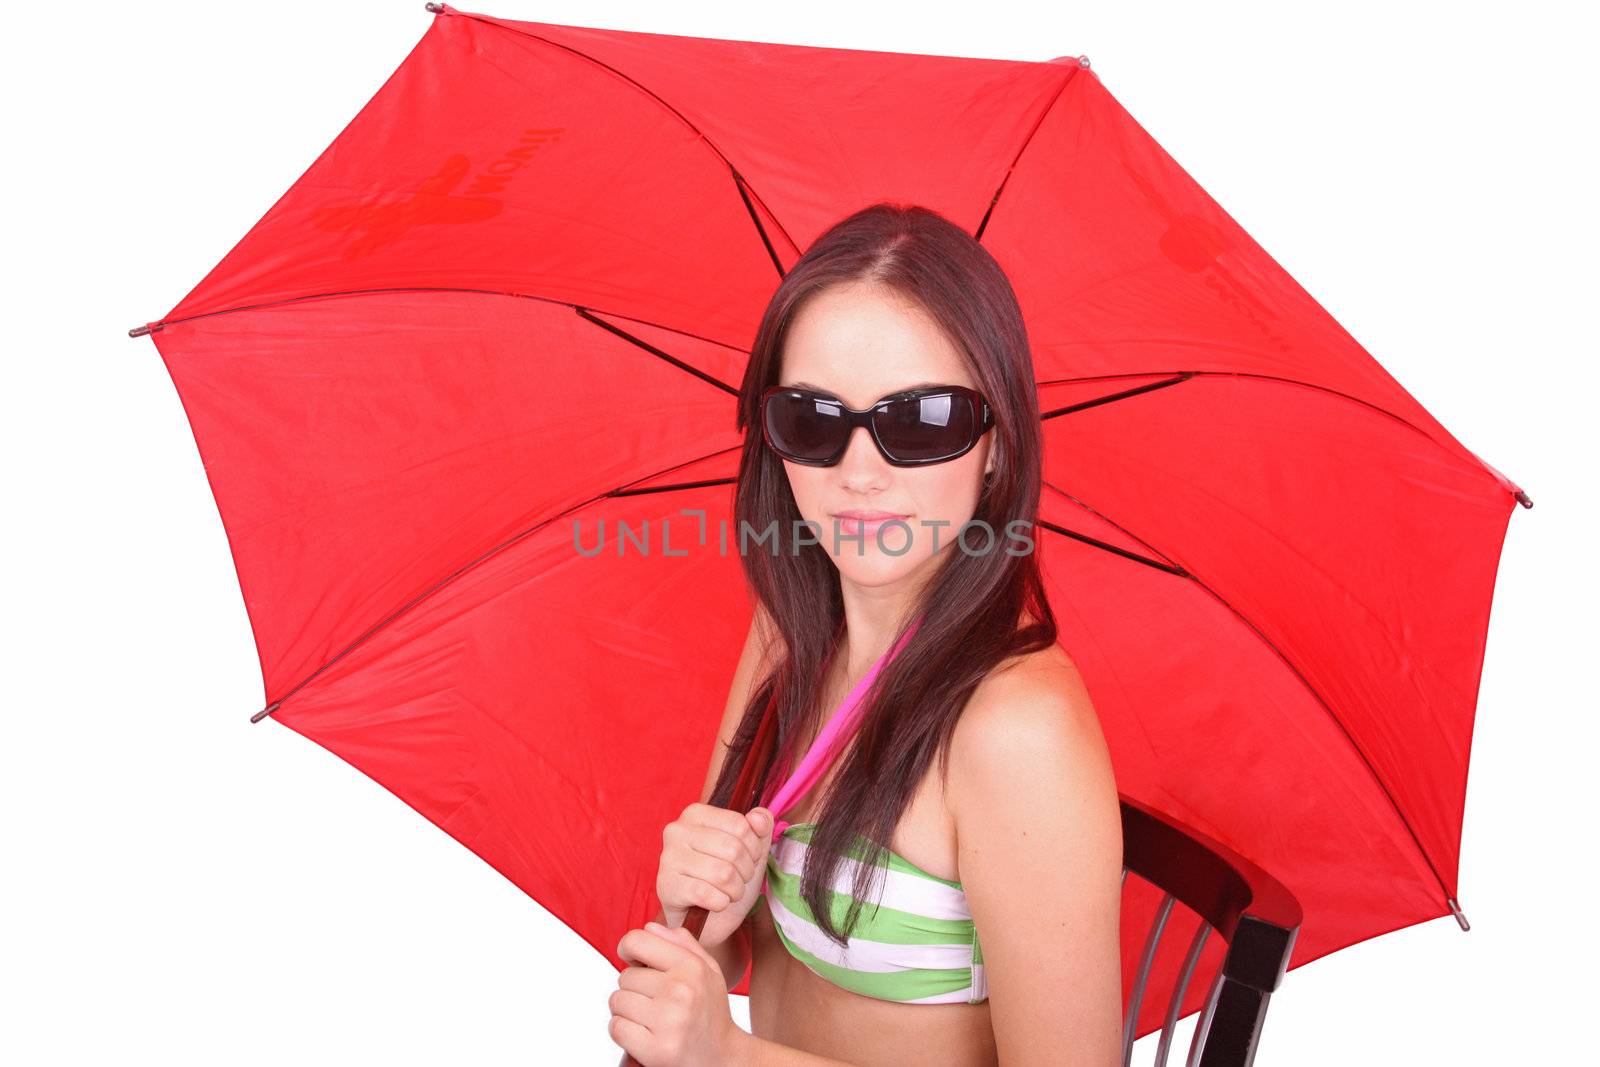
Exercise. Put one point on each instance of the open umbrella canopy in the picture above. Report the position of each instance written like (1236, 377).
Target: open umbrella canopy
(508, 309)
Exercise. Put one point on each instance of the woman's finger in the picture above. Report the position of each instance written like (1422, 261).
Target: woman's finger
(691, 944)
(649, 947)
(635, 1039)
(646, 981)
(709, 815)
(730, 848)
(758, 824)
(631, 1005)
(710, 897)
(727, 876)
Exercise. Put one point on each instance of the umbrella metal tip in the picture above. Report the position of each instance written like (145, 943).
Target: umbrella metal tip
(1083, 61)
(437, 9)
(1523, 499)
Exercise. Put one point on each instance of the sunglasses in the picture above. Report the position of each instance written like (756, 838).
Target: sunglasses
(929, 425)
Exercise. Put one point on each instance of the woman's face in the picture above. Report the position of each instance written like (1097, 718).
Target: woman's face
(859, 343)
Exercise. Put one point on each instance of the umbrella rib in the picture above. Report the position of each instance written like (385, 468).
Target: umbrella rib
(673, 486)
(626, 489)
(653, 350)
(739, 181)
(151, 327)
(1180, 376)
(1006, 178)
(1184, 375)
(1170, 568)
(1304, 681)
(772, 253)
(1165, 563)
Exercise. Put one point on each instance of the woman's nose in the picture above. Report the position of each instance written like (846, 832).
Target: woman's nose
(862, 462)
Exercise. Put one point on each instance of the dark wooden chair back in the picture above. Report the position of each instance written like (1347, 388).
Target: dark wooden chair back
(1256, 917)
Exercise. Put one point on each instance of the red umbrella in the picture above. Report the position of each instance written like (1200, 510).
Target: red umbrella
(1272, 565)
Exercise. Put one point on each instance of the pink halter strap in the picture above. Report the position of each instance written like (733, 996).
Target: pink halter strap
(839, 728)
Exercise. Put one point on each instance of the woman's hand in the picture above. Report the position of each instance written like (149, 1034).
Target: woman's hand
(713, 858)
(672, 1011)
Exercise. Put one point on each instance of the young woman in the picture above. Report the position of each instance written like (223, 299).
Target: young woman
(944, 885)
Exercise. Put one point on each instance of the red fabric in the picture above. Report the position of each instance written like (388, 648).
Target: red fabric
(396, 401)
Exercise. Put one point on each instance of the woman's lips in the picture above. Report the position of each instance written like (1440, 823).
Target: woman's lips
(852, 525)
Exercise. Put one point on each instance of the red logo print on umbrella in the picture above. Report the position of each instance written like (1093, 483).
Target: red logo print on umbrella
(437, 201)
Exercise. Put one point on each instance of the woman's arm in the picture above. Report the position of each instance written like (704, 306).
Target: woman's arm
(1039, 847)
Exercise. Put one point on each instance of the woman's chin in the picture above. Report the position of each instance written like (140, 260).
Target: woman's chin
(872, 568)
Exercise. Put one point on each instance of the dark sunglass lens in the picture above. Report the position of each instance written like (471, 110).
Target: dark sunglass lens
(927, 428)
(804, 427)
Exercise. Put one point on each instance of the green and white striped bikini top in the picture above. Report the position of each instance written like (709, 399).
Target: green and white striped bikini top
(917, 945)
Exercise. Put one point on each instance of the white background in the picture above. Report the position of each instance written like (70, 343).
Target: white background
(187, 886)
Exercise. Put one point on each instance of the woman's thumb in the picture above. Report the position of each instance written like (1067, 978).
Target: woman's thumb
(762, 820)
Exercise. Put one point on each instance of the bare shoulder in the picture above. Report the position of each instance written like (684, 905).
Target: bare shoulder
(1029, 729)
(1045, 676)
(1032, 691)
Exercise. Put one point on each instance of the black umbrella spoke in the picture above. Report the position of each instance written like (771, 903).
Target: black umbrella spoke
(673, 487)
(978, 236)
(739, 181)
(1170, 568)
(1288, 664)
(623, 490)
(654, 351)
(1185, 375)
(152, 327)
(755, 219)
(1180, 376)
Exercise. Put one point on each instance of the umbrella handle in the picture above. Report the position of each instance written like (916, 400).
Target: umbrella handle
(744, 796)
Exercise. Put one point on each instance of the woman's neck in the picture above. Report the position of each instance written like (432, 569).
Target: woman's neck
(872, 620)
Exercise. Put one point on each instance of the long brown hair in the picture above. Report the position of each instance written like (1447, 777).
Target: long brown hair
(969, 609)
